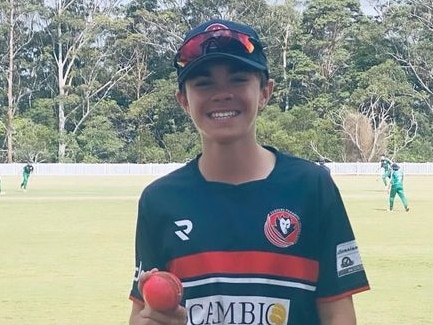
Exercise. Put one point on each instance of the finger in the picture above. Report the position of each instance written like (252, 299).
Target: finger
(182, 315)
(174, 317)
(144, 275)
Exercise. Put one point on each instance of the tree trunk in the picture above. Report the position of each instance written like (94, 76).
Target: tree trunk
(62, 93)
(62, 134)
(11, 108)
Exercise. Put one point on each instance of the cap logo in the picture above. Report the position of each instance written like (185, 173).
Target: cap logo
(282, 228)
(215, 27)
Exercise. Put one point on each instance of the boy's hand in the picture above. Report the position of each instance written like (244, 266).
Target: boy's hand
(148, 316)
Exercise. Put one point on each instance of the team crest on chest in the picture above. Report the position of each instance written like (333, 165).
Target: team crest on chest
(282, 228)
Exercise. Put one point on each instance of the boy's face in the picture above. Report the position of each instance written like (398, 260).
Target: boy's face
(223, 99)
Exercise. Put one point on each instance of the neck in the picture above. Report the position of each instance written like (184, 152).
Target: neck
(236, 165)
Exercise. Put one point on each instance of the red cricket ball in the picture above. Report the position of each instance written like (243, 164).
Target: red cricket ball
(162, 291)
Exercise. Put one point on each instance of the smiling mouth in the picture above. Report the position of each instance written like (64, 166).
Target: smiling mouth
(223, 115)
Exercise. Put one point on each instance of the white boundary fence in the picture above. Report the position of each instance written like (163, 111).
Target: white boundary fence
(162, 169)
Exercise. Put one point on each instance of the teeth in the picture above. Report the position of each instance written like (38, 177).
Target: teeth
(223, 115)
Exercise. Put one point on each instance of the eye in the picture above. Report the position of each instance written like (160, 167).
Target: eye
(201, 81)
(240, 77)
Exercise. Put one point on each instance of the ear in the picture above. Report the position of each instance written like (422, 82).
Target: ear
(182, 100)
(266, 93)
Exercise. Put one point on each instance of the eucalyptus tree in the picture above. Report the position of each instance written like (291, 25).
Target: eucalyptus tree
(146, 95)
(150, 36)
(17, 24)
(319, 69)
(75, 48)
(279, 25)
(410, 33)
(328, 27)
(320, 54)
(380, 115)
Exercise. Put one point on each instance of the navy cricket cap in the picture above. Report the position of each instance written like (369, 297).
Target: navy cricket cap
(218, 38)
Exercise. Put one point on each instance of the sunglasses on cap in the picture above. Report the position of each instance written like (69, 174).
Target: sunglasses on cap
(221, 40)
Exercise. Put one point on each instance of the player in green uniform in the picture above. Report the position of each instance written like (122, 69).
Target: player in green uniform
(385, 166)
(27, 170)
(396, 187)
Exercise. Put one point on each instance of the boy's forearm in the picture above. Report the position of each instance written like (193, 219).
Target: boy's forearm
(340, 312)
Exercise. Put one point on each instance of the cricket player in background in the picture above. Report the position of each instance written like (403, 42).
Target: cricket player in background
(396, 187)
(385, 166)
(27, 170)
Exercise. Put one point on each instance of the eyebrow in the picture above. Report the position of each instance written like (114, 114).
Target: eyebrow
(204, 70)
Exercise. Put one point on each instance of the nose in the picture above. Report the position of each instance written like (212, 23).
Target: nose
(223, 92)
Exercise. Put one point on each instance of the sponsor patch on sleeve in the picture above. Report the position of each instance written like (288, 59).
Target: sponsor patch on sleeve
(348, 259)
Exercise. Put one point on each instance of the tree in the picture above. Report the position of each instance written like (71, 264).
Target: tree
(183, 146)
(382, 101)
(158, 114)
(327, 31)
(319, 63)
(410, 33)
(281, 25)
(111, 63)
(18, 19)
(74, 29)
(298, 131)
(99, 142)
(34, 142)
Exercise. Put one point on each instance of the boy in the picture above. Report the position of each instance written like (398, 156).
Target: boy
(396, 187)
(255, 235)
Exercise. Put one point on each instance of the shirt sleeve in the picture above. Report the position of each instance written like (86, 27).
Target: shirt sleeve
(341, 272)
(146, 241)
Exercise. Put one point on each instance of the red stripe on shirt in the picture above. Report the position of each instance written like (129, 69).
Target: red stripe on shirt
(251, 262)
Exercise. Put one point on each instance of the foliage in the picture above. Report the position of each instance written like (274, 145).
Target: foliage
(299, 131)
(99, 142)
(34, 142)
(95, 83)
(183, 146)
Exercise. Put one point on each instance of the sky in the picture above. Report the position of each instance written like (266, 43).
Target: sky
(366, 7)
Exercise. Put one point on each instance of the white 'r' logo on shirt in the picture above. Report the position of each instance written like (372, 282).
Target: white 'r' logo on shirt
(186, 227)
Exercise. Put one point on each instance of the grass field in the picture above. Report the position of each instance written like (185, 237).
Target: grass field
(67, 250)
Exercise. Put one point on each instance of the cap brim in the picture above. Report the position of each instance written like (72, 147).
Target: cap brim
(211, 56)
